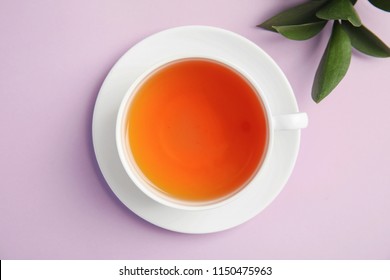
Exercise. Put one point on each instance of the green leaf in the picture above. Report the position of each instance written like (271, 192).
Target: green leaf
(300, 14)
(339, 9)
(334, 63)
(381, 4)
(365, 41)
(301, 31)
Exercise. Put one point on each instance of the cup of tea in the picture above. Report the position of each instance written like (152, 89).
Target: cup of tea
(193, 132)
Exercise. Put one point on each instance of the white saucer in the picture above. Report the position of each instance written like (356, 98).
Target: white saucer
(195, 41)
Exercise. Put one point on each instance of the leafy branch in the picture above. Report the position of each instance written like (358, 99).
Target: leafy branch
(306, 20)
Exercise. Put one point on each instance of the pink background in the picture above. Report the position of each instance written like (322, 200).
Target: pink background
(54, 202)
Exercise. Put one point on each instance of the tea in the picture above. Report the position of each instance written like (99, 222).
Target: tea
(196, 129)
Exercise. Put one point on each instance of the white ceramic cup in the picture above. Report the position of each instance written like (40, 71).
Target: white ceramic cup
(296, 120)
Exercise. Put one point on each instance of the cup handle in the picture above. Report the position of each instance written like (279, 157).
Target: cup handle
(290, 121)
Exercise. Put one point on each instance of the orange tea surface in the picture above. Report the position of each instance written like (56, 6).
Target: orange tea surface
(197, 130)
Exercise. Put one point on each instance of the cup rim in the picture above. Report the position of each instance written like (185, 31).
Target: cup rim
(140, 180)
